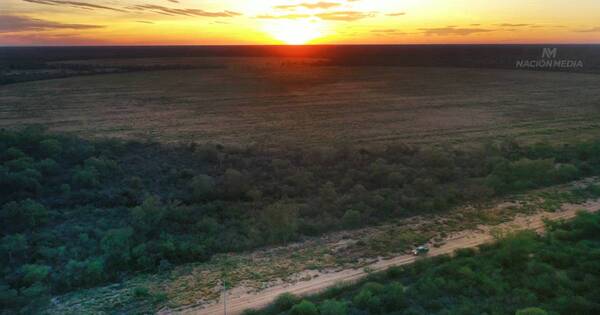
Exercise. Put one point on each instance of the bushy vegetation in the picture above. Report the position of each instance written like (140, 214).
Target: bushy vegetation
(78, 213)
(558, 273)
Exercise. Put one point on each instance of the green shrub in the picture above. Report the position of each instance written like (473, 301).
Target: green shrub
(285, 301)
(50, 148)
(141, 292)
(34, 273)
(304, 308)
(333, 307)
(531, 311)
(86, 178)
(203, 188)
(352, 219)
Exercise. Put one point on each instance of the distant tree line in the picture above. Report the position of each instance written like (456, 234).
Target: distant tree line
(36, 71)
(77, 213)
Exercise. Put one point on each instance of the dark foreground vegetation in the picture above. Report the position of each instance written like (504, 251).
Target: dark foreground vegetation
(523, 274)
(77, 213)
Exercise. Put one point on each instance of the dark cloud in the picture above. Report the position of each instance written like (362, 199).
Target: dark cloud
(145, 22)
(76, 4)
(16, 24)
(345, 15)
(453, 30)
(318, 5)
(182, 12)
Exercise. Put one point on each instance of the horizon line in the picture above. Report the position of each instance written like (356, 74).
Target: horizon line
(296, 46)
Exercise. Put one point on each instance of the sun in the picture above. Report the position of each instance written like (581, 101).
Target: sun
(294, 32)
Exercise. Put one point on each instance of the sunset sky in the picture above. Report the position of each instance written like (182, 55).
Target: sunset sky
(197, 22)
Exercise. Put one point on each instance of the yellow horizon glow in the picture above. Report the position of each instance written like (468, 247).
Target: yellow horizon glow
(298, 22)
(294, 32)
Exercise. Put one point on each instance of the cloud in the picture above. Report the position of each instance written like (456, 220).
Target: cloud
(590, 30)
(514, 25)
(387, 32)
(182, 12)
(453, 30)
(16, 24)
(47, 39)
(284, 17)
(396, 14)
(76, 4)
(344, 15)
(145, 22)
(318, 5)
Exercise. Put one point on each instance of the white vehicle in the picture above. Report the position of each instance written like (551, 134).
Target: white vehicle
(421, 250)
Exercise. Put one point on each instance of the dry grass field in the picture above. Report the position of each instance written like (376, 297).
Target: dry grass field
(294, 102)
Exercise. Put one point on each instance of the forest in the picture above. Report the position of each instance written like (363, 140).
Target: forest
(522, 274)
(79, 213)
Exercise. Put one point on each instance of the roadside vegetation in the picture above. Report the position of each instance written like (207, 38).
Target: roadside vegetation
(522, 274)
(78, 213)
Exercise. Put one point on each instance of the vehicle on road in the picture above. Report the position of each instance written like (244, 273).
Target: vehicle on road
(421, 250)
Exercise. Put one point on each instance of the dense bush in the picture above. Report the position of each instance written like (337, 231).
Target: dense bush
(524, 274)
(84, 212)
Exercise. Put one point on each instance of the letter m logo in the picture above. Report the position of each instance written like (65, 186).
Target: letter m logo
(549, 52)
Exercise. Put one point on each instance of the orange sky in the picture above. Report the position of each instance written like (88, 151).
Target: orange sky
(197, 22)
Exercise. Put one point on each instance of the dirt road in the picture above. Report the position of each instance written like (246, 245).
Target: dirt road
(236, 304)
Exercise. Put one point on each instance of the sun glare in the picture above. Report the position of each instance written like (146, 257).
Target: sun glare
(294, 32)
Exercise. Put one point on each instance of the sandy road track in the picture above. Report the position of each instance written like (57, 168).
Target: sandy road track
(466, 239)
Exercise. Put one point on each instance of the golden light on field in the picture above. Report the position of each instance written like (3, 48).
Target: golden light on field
(294, 32)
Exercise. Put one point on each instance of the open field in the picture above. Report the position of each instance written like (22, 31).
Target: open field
(272, 101)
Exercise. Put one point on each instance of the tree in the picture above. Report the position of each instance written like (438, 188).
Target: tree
(531, 311)
(14, 245)
(203, 187)
(116, 245)
(368, 297)
(8, 296)
(393, 298)
(234, 183)
(285, 301)
(148, 216)
(23, 215)
(304, 308)
(328, 196)
(50, 148)
(351, 219)
(280, 220)
(86, 178)
(333, 307)
(35, 273)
